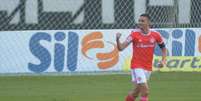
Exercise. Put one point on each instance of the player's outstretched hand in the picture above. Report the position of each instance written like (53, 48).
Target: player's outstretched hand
(161, 64)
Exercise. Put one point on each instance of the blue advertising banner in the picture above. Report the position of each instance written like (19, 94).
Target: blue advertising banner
(43, 51)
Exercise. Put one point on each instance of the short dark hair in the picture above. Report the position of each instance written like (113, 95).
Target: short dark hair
(145, 15)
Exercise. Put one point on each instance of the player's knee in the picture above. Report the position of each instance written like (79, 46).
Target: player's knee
(145, 93)
(135, 92)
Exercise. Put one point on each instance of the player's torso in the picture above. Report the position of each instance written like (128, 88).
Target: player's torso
(143, 49)
(144, 41)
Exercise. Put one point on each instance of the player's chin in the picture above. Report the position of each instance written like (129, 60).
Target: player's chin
(140, 26)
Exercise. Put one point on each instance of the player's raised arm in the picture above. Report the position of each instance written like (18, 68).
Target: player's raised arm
(121, 46)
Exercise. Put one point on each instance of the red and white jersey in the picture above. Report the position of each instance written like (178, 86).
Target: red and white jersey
(143, 48)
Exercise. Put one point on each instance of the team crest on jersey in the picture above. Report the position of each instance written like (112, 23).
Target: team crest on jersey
(152, 40)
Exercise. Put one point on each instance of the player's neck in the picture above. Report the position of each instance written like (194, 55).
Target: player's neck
(145, 30)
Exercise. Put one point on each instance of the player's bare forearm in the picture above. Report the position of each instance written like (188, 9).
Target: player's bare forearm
(163, 61)
(164, 54)
(120, 46)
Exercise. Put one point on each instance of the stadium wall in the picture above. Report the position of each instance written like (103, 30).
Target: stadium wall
(71, 51)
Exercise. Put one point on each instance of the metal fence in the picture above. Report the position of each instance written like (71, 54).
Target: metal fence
(96, 14)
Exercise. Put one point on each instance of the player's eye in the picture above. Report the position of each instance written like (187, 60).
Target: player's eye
(141, 20)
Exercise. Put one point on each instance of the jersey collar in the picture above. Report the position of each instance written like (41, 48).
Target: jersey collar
(149, 32)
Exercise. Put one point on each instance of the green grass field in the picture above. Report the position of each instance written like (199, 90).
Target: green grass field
(164, 87)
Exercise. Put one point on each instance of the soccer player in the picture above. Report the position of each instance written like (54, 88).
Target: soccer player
(144, 41)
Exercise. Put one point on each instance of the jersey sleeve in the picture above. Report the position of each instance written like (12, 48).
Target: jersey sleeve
(129, 39)
(159, 38)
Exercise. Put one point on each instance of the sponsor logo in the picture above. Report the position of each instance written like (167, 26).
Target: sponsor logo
(56, 55)
(152, 40)
(95, 40)
(174, 63)
(62, 48)
(182, 42)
